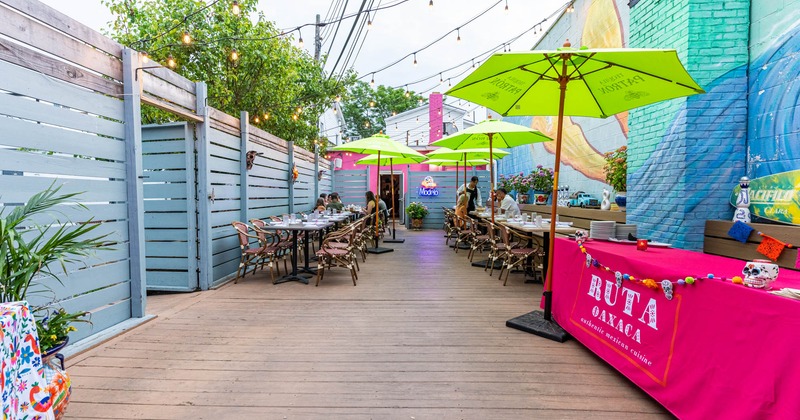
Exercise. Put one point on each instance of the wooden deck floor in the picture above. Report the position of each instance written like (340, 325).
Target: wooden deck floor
(422, 336)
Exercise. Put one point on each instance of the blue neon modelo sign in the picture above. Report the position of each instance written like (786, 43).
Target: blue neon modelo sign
(427, 187)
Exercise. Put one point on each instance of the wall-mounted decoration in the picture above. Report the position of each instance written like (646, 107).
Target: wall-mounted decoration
(251, 157)
(427, 187)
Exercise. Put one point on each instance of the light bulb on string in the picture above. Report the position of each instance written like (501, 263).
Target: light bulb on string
(235, 9)
(334, 110)
(300, 41)
(234, 55)
(473, 63)
(266, 116)
(458, 32)
(371, 104)
(506, 6)
(366, 124)
(171, 62)
(295, 117)
(448, 82)
(369, 22)
(430, 3)
(256, 120)
(299, 110)
(372, 82)
(186, 38)
(441, 81)
(338, 98)
(145, 57)
(415, 59)
(407, 92)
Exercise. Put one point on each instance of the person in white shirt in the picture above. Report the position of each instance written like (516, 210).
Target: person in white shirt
(508, 206)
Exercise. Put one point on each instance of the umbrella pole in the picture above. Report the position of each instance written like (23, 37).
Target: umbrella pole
(491, 175)
(537, 322)
(457, 184)
(465, 177)
(377, 199)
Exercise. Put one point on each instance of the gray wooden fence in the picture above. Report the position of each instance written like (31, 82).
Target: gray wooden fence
(70, 114)
(351, 185)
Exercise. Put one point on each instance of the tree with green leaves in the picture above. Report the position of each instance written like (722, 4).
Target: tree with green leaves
(248, 64)
(365, 109)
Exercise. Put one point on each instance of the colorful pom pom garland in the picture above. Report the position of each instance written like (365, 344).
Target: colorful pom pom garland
(665, 285)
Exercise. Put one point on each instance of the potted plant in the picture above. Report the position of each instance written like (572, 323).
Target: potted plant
(522, 184)
(616, 170)
(416, 211)
(30, 254)
(541, 183)
(505, 182)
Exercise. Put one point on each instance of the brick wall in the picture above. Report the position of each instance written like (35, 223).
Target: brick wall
(685, 155)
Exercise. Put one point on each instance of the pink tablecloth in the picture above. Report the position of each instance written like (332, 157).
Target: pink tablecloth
(716, 350)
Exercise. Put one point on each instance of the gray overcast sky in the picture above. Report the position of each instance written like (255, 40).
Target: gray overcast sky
(395, 32)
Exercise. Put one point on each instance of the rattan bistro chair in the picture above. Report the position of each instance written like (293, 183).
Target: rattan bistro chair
(260, 253)
(330, 255)
(516, 255)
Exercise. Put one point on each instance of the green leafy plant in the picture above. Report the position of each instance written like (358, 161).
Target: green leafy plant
(30, 252)
(541, 179)
(53, 327)
(417, 210)
(505, 183)
(616, 169)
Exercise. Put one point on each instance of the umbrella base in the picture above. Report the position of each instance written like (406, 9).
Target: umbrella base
(534, 323)
(379, 250)
(394, 241)
(462, 246)
(482, 264)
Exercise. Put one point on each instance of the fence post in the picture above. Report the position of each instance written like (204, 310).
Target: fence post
(204, 192)
(134, 175)
(290, 157)
(316, 173)
(244, 121)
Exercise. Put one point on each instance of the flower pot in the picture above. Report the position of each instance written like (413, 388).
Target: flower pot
(416, 224)
(540, 197)
(522, 198)
(621, 200)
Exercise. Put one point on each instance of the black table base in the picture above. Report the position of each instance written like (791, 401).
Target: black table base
(379, 250)
(482, 264)
(534, 323)
(302, 278)
(394, 241)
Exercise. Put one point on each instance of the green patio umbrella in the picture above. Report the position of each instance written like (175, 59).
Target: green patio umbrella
(607, 82)
(390, 160)
(467, 154)
(490, 133)
(456, 163)
(377, 144)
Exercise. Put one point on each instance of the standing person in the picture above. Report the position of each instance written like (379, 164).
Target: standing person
(335, 203)
(507, 204)
(472, 193)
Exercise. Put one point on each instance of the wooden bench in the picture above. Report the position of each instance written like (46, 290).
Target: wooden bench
(580, 218)
(716, 241)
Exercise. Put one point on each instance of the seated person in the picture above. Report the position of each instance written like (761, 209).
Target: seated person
(320, 205)
(324, 197)
(461, 205)
(371, 204)
(335, 203)
(507, 204)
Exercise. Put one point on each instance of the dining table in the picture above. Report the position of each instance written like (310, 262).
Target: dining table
(543, 230)
(300, 274)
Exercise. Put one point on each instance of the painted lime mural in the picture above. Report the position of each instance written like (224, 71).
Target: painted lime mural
(775, 197)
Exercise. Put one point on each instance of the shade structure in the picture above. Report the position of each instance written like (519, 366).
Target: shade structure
(378, 144)
(490, 133)
(390, 161)
(606, 82)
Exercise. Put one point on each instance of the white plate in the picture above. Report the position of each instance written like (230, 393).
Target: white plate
(659, 244)
(621, 241)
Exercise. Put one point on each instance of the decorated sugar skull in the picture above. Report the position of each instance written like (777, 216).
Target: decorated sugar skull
(760, 273)
(581, 235)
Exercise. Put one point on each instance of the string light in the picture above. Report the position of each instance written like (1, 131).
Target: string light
(266, 116)
(145, 57)
(171, 62)
(415, 59)
(430, 3)
(372, 82)
(366, 124)
(369, 21)
(440, 78)
(458, 32)
(407, 92)
(571, 8)
(300, 41)
(186, 38)
(338, 98)
(371, 104)
(334, 110)
(235, 9)
(448, 82)
(295, 117)
(256, 120)
(299, 110)
(234, 55)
